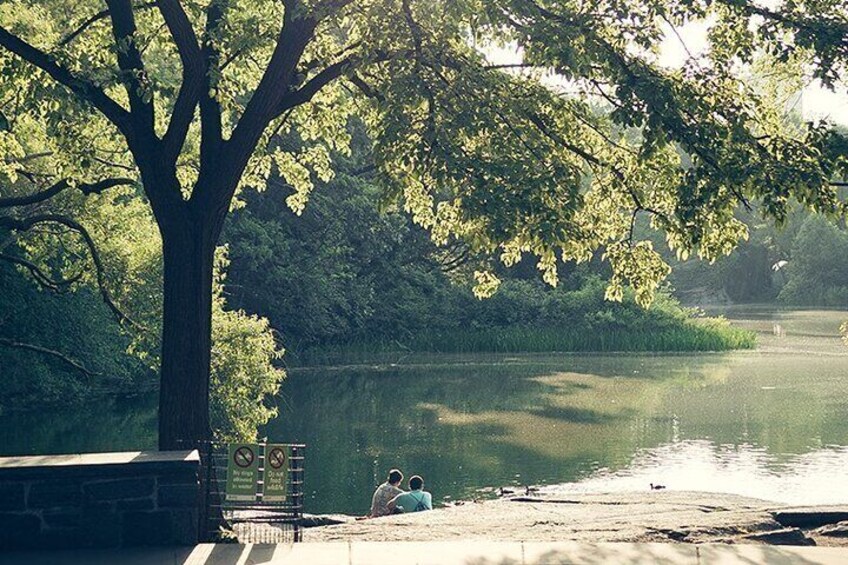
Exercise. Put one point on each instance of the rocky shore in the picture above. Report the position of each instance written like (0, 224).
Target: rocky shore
(663, 516)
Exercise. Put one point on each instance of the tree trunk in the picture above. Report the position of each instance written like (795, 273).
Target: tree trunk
(189, 249)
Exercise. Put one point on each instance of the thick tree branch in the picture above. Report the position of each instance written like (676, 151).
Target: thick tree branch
(132, 67)
(51, 352)
(101, 15)
(84, 89)
(100, 272)
(86, 188)
(210, 109)
(261, 109)
(193, 76)
(105, 184)
(265, 104)
(45, 194)
(365, 88)
(305, 93)
(182, 32)
(313, 64)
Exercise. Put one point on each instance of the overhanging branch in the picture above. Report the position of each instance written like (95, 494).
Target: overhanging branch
(365, 88)
(264, 105)
(51, 352)
(83, 88)
(132, 66)
(211, 126)
(305, 93)
(46, 194)
(25, 224)
(193, 74)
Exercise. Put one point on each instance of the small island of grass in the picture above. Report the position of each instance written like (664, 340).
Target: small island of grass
(527, 317)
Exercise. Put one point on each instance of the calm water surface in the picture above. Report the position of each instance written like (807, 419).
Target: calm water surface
(770, 423)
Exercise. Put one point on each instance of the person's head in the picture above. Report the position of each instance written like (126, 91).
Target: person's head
(416, 483)
(395, 477)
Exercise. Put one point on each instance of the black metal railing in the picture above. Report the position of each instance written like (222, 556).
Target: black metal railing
(250, 521)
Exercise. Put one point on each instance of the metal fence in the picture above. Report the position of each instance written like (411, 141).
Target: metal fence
(250, 521)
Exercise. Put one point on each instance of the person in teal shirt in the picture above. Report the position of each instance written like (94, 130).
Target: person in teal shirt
(416, 500)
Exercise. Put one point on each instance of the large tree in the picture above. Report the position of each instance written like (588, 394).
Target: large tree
(191, 99)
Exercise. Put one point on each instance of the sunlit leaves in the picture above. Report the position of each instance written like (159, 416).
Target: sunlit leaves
(486, 284)
(557, 162)
(640, 266)
(243, 373)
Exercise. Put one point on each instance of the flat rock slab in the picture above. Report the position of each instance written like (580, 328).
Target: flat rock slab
(839, 529)
(785, 536)
(624, 517)
(317, 520)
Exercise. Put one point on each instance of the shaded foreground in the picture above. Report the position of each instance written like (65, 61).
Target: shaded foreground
(692, 517)
(443, 553)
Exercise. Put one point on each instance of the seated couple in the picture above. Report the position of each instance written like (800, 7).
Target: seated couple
(389, 498)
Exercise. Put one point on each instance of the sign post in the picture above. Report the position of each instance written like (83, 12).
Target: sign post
(276, 472)
(242, 471)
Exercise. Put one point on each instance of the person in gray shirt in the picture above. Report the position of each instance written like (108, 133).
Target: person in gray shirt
(384, 493)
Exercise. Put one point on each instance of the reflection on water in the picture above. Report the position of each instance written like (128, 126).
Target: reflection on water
(770, 423)
(743, 469)
(107, 424)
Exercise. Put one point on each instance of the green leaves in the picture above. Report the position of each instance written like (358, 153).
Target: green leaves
(555, 160)
(244, 378)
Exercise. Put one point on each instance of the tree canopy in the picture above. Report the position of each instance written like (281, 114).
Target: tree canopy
(556, 156)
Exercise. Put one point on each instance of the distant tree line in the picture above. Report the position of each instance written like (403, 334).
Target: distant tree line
(801, 263)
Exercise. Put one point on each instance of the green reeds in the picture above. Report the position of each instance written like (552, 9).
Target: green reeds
(703, 334)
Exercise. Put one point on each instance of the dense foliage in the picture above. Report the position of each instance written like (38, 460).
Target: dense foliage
(61, 334)
(184, 100)
(78, 325)
(344, 279)
(818, 272)
(804, 262)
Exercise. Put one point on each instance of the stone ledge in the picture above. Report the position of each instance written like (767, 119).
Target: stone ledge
(54, 493)
(18, 528)
(129, 463)
(178, 496)
(12, 496)
(120, 489)
(99, 500)
(148, 528)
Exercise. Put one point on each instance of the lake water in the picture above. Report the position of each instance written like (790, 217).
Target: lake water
(770, 423)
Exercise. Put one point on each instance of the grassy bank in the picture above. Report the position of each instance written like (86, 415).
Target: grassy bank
(693, 334)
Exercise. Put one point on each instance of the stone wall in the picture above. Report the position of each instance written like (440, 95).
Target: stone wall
(100, 500)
